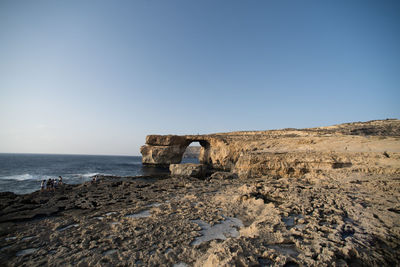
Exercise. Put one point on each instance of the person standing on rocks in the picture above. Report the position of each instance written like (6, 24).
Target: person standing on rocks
(42, 185)
(60, 180)
(48, 184)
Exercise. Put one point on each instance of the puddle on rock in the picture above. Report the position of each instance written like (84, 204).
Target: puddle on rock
(142, 214)
(109, 252)
(222, 230)
(110, 213)
(289, 221)
(67, 227)
(100, 218)
(26, 251)
(11, 238)
(181, 264)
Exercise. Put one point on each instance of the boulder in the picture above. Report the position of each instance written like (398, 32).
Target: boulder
(188, 170)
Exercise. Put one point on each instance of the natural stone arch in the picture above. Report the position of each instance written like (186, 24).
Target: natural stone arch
(163, 150)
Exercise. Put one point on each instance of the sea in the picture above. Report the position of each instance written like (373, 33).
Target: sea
(23, 173)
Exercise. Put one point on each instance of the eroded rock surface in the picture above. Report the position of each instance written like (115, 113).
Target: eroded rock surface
(329, 221)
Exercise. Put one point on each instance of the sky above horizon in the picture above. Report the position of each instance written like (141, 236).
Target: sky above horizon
(96, 77)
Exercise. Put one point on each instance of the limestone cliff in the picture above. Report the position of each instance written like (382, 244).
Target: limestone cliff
(372, 146)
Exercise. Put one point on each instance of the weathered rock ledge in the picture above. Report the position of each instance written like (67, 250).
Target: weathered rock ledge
(372, 147)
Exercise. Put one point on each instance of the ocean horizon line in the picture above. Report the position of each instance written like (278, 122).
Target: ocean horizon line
(67, 154)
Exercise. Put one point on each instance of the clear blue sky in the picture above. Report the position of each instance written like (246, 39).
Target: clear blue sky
(96, 77)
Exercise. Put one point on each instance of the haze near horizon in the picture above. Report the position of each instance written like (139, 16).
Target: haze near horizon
(96, 77)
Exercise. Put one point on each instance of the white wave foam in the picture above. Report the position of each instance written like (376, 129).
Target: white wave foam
(19, 177)
(90, 174)
(86, 175)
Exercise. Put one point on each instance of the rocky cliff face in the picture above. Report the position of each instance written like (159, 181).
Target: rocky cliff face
(372, 146)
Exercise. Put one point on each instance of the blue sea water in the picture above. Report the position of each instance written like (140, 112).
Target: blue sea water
(22, 173)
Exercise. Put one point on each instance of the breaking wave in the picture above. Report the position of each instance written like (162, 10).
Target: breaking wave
(19, 177)
(86, 175)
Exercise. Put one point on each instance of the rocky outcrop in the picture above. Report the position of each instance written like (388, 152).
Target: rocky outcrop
(188, 170)
(353, 147)
(162, 156)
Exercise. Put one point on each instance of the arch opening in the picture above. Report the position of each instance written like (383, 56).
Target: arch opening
(192, 153)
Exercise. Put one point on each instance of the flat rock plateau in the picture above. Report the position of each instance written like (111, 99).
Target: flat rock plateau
(325, 196)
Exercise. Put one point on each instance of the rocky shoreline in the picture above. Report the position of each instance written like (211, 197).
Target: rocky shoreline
(326, 196)
(336, 220)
